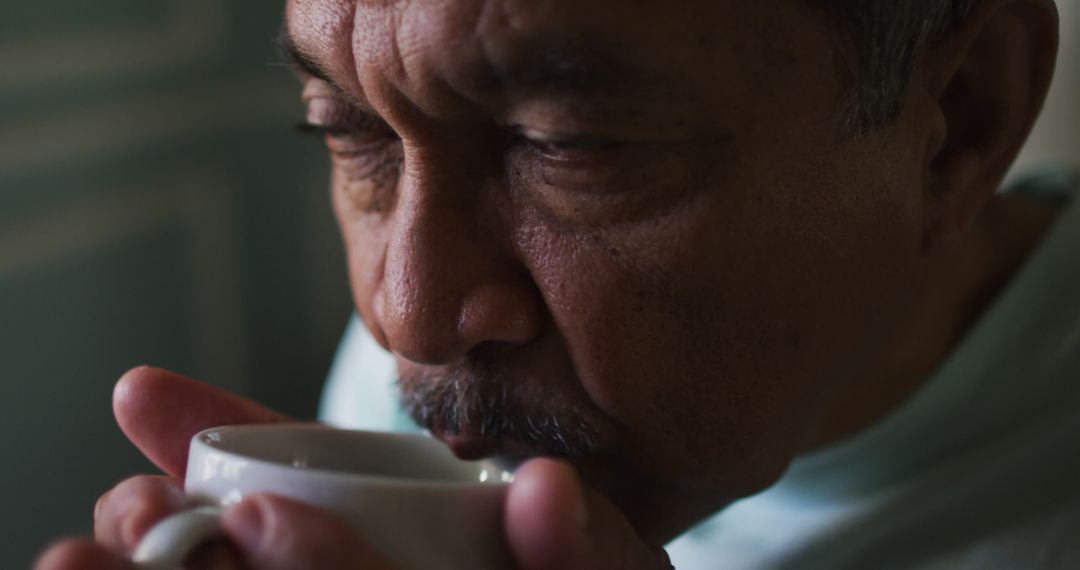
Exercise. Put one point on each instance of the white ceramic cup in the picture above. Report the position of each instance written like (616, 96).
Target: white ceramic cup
(406, 495)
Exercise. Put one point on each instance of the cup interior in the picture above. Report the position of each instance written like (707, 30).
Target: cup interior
(374, 454)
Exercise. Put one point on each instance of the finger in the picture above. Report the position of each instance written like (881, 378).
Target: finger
(127, 512)
(553, 523)
(80, 555)
(216, 555)
(274, 533)
(159, 411)
(546, 516)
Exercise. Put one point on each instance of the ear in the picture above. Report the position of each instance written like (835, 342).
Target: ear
(989, 79)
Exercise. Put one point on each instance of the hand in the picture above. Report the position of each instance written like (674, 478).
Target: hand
(552, 522)
(160, 412)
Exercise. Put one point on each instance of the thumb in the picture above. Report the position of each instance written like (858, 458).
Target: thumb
(554, 523)
(159, 411)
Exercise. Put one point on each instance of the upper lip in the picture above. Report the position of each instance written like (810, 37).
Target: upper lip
(472, 447)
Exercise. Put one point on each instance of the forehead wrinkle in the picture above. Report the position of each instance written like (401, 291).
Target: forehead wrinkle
(559, 67)
(320, 29)
(539, 57)
(465, 60)
(411, 52)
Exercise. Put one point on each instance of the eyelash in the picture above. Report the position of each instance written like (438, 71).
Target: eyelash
(352, 142)
(319, 131)
(572, 150)
(567, 144)
(577, 161)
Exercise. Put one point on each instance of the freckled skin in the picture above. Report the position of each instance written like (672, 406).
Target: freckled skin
(701, 293)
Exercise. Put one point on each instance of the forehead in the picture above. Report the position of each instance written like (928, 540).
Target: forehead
(468, 47)
(498, 26)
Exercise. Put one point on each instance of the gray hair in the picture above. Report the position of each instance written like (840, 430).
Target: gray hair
(880, 42)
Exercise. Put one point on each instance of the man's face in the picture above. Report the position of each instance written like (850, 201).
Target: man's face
(624, 232)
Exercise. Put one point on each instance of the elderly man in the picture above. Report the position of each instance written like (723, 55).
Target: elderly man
(656, 252)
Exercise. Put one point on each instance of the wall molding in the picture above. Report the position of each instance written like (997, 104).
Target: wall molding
(200, 203)
(193, 30)
(90, 134)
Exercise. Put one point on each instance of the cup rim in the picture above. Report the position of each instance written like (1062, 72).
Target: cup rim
(500, 477)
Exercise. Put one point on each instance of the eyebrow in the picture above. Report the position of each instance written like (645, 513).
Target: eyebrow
(295, 57)
(563, 67)
(300, 61)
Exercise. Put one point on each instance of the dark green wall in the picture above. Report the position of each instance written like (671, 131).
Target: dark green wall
(155, 207)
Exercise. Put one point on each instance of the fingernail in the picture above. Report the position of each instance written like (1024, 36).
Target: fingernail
(100, 504)
(245, 523)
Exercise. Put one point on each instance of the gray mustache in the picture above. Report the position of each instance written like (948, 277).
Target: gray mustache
(464, 400)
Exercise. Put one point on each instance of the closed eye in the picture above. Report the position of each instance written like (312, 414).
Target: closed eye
(566, 148)
(572, 149)
(320, 131)
(575, 144)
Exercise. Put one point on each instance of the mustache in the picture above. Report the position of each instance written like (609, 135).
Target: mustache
(476, 399)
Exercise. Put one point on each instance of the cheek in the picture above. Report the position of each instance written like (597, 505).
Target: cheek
(709, 336)
(677, 351)
(362, 235)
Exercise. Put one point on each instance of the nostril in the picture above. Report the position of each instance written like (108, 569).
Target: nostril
(374, 324)
(418, 333)
(445, 286)
(507, 312)
(433, 335)
(422, 345)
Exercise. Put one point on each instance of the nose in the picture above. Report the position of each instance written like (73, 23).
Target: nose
(450, 278)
